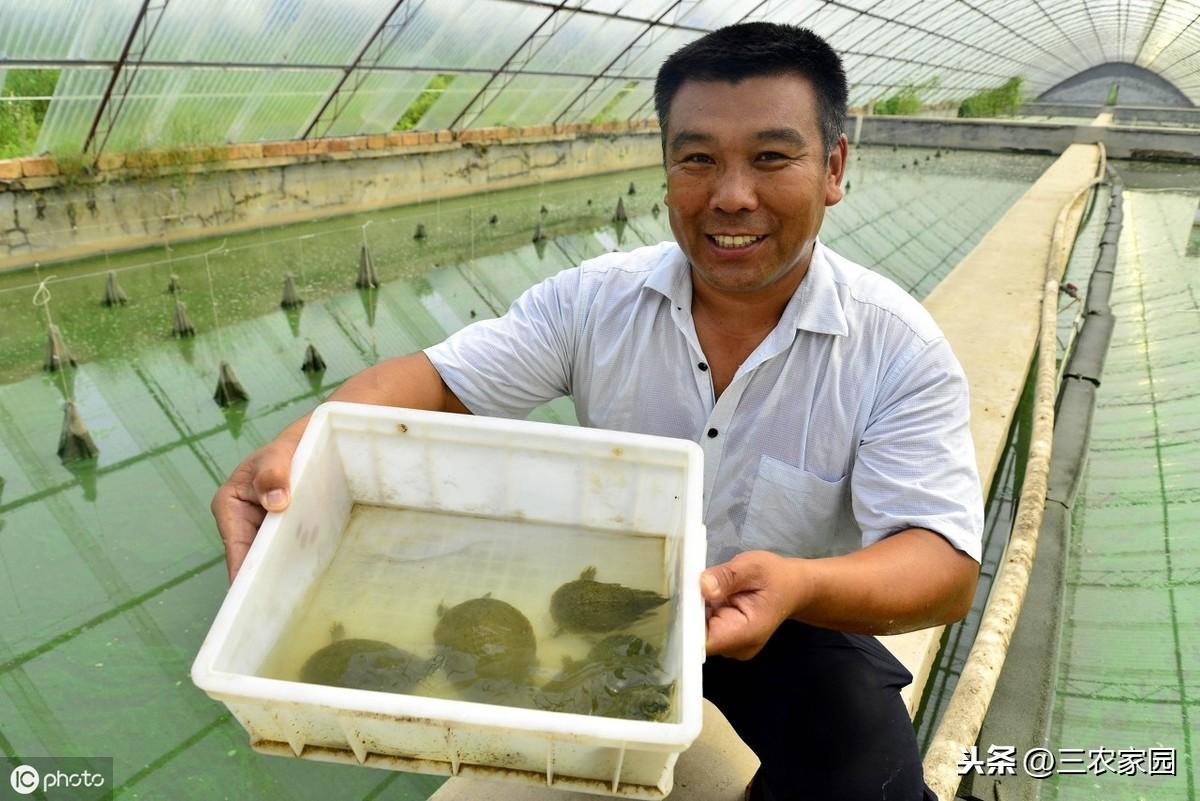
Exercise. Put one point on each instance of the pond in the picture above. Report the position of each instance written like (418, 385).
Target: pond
(112, 570)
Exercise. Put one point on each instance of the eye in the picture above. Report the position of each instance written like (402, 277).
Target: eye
(771, 156)
(696, 158)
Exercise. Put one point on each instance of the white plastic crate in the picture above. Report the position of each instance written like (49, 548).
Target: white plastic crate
(511, 474)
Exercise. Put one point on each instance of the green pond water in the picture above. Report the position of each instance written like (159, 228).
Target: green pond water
(111, 571)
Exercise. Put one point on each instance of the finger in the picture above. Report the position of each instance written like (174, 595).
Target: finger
(710, 587)
(238, 520)
(721, 582)
(727, 629)
(272, 468)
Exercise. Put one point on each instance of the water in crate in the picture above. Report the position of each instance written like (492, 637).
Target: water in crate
(492, 611)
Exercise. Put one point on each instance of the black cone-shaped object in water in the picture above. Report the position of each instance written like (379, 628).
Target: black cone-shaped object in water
(367, 279)
(420, 233)
(495, 218)
(229, 389)
(539, 247)
(538, 236)
(113, 294)
(655, 210)
(183, 324)
(619, 215)
(173, 285)
(545, 211)
(632, 188)
(57, 355)
(291, 297)
(75, 443)
(313, 363)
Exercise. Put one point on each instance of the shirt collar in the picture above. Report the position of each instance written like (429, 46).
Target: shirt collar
(673, 279)
(815, 306)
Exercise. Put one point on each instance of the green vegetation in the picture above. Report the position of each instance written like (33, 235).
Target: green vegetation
(1003, 100)
(907, 101)
(606, 114)
(21, 119)
(1112, 95)
(429, 95)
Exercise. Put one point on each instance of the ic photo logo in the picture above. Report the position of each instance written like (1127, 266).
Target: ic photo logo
(52, 778)
(24, 779)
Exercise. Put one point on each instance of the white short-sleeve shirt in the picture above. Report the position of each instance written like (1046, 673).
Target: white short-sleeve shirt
(848, 423)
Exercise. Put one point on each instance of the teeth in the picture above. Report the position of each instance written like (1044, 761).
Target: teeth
(735, 241)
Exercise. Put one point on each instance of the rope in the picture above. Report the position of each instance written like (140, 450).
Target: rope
(300, 257)
(963, 718)
(41, 297)
(212, 297)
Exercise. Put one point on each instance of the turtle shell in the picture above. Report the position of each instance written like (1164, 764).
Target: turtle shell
(620, 678)
(587, 605)
(485, 638)
(365, 665)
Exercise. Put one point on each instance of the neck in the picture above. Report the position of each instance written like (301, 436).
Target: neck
(747, 314)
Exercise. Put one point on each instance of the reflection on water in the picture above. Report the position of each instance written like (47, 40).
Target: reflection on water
(111, 571)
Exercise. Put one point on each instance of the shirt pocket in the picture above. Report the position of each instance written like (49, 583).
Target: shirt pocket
(793, 512)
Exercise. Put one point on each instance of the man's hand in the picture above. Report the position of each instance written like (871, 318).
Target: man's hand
(746, 599)
(258, 485)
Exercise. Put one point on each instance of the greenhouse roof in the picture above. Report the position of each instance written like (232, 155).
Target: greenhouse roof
(135, 73)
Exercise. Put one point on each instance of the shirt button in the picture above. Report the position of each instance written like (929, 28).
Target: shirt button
(712, 432)
(702, 366)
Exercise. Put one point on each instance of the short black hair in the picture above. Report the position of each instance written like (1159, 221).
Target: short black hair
(756, 49)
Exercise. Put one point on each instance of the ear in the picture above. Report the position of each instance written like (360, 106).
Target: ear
(836, 171)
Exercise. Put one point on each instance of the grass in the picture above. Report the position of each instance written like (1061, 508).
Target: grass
(24, 99)
(907, 101)
(1004, 100)
(429, 95)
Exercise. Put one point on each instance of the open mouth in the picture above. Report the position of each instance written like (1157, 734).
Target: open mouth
(735, 241)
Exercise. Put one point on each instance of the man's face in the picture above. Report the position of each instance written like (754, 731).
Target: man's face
(747, 179)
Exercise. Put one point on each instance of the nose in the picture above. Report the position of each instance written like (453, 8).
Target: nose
(734, 191)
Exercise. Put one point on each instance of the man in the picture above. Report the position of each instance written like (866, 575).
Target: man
(841, 496)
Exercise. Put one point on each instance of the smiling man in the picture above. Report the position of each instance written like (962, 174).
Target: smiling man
(841, 495)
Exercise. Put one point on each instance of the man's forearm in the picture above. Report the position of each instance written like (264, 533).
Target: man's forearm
(911, 580)
(411, 382)
(407, 381)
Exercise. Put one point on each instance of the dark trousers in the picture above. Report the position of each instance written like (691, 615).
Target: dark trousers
(822, 710)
